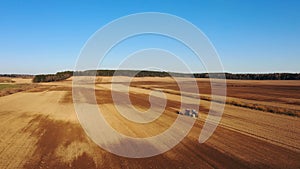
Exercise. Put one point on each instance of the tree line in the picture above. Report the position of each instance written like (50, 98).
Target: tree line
(16, 75)
(131, 73)
(52, 77)
(252, 76)
(249, 76)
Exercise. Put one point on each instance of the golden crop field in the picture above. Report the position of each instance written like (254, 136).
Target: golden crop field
(260, 126)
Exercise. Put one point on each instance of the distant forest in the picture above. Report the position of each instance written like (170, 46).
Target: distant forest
(52, 77)
(16, 75)
(64, 75)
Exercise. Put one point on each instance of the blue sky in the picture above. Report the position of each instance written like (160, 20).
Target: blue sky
(250, 36)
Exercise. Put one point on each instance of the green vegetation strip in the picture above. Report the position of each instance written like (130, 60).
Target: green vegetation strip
(7, 89)
(5, 86)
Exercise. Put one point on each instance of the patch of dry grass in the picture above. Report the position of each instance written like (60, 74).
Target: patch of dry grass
(7, 89)
(266, 108)
(6, 80)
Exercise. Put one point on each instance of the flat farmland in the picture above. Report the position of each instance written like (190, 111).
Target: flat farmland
(260, 126)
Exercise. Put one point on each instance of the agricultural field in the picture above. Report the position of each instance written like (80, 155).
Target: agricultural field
(260, 126)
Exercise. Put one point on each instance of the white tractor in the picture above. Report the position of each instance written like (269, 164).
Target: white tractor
(189, 112)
